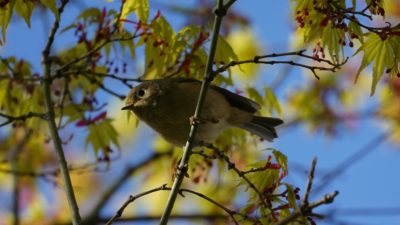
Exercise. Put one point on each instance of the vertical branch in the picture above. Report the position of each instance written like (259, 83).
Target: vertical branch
(16, 194)
(13, 157)
(46, 64)
(220, 12)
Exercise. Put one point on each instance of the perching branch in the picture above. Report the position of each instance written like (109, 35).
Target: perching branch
(46, 64)
(306, 208)
(220, 12)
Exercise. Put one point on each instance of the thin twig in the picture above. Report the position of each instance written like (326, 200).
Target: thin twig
(86, 167)
(309, 183)
(108, 193)
(306, 208)
(100, 46)
(259, 60)
(104, 88)
(130, 200)
(164, 187)
(230, 212)
(10, 119)
(13, 157)
(46, 64)
(240, 173)
(207, 217)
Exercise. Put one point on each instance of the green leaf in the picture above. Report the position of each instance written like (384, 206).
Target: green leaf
(291, 196)
(67, 28)
(331, 39)
(281, 159)
(224, 52)
(24, 9)
(273, 101)
(163, 29)
(89, 13)
(159, 51)
(378, 52)
(356, 29)
(254, 94)
(101, 135)
(5, 17)
(51, 4)
(140, 7)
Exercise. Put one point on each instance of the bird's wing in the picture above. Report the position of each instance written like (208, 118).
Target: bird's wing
(234, 99)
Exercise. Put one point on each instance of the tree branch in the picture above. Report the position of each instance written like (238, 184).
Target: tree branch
(240, 173)
(46, 64)
(131, 199)
(313, 69)
(104, 88)
(10, 119)
(146, 218)
(13, 157)
(106, 195)
(220, 12)
(306, 208)
(107, 41)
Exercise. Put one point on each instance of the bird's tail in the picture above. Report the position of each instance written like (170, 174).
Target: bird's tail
(263, 127)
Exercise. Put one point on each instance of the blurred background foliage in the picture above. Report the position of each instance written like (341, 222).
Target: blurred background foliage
(96, 60)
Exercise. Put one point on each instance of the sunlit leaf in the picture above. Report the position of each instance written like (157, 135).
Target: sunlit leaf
(5, 17)
(51, 4)
(273, 103)
(140, 7)
(291, 196)
(224, 52)
(281, 159)
(24, 9)
(101, 135)
(378, 52)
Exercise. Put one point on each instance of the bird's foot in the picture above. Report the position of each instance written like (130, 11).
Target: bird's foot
(199, 120)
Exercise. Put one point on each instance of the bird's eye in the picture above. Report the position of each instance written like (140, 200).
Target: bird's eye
(140, 93)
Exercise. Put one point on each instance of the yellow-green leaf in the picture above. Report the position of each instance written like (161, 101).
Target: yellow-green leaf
(140, 7)
(224, 52)
(380, 53)
(51, 4)
(272, 101)
(24, 9)
(281, 159)
(101, 135)
(5, 17)
(254, 94)
(291, 196)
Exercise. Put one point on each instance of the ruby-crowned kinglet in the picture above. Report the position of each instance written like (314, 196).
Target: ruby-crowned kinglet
(167, 105)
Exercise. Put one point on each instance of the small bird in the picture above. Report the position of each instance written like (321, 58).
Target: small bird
(167, 105)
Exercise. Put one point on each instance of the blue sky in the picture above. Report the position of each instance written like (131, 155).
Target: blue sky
(369, 183)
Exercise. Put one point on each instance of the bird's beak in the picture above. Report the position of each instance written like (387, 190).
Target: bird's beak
(128, 106)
